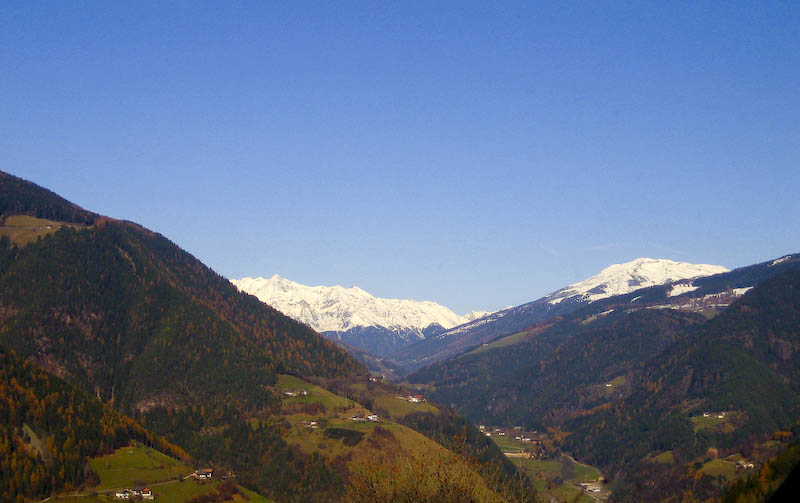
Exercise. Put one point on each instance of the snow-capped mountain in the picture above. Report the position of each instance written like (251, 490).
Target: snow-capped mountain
(614, 280)
(619, 279)
(354, 316)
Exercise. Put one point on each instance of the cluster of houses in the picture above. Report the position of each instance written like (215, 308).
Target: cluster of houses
(517, 431)
(295, 392)
(718, 415)
(744, 465)
(126, 494)
(411, 398)
(361, 418)
(147, 494)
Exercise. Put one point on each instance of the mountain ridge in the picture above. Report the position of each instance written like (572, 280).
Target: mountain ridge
(337, 309)
(353, 316)
(643, 272)
(632, 376)
(613, 280)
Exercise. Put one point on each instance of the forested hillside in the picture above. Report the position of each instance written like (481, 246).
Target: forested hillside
(129, 318)
(557, 369)
(138, 321)
(743, 362)
(624, 380)
(48, 429)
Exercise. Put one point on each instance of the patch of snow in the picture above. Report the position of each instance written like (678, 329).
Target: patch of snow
(334, 308)
(681, 288)
(741, 291)
(475, 315)
(779, 260)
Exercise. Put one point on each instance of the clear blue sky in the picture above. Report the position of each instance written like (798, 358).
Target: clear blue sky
(476, 154)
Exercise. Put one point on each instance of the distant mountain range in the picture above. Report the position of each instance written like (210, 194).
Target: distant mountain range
(353, 316)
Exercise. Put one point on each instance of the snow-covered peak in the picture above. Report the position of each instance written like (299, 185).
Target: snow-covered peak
(334, 308)
(474, 315)
(620, 279)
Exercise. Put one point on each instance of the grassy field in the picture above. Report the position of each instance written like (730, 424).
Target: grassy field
(133, 465)
(717, 467)
(315, 394)
(169, 492)
(665, 458)
(707, 423)
(544, 472)
(398, 408)
(22, 229)
(137, 465)
(550, 468)
(508, 443)
(500, 343)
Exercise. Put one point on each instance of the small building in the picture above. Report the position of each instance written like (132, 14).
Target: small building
(373, 418)
(359, 418)
(203, 473)
(147, 493)
(123, 495)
